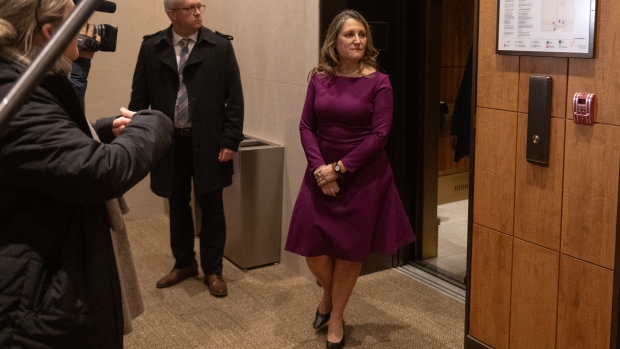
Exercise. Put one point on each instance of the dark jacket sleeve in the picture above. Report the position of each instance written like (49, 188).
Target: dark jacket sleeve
(103, 127)
(232, 134)
(46, 151)
(461, 116)
(79, 77)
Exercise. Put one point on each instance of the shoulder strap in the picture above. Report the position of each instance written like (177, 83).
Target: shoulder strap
(225, 36)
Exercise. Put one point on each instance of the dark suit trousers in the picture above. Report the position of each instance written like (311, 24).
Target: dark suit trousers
(213, 225)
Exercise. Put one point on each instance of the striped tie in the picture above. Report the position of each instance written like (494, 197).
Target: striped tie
(182, 100)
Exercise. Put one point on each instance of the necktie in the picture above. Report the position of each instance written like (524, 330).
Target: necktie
(182, 101)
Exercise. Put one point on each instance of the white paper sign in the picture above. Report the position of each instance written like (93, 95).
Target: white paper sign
(546, 27)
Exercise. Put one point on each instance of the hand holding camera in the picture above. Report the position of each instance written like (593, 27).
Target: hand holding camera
(98, 37)
(88, 38)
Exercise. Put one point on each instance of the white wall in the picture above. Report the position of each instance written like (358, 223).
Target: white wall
(276, 43)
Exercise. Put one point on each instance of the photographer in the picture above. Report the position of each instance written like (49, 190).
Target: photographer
(133, 305)
(59, 286)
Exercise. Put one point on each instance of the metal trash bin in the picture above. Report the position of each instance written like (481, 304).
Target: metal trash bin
(253, 205)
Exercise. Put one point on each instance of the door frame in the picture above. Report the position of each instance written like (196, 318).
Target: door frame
(470, 342)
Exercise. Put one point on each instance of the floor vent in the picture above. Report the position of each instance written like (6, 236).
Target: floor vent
(454, 187)
(460, 187)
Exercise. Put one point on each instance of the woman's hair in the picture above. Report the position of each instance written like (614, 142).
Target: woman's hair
(328, 55)
(21, 21)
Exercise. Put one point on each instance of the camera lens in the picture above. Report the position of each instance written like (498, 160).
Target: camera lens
(99, 29)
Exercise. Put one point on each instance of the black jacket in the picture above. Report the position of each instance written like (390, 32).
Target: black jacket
(58, 281)
(213, 83)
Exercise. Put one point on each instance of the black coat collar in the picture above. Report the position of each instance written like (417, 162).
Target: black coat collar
(204, 34)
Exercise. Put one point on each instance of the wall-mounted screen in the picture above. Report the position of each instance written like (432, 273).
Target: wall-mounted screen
(562, 28)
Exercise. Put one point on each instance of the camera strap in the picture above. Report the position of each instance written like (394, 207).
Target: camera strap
(88, 43)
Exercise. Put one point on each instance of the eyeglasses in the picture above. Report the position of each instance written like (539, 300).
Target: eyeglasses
(191, 10)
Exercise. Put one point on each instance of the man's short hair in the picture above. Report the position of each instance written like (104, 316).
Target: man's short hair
(168, 4)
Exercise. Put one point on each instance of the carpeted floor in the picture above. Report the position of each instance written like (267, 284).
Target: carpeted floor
(270, 307)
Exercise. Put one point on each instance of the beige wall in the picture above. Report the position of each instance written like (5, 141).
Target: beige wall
(276, 43)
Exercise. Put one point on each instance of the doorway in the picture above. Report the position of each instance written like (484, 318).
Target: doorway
(450, 258)
(423, 67)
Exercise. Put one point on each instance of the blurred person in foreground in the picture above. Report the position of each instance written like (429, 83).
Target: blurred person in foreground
(348, 206)
(191, 74)
(133, 304)
(59, 286)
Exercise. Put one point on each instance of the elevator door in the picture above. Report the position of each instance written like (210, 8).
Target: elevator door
(450, 259)
(406, 35)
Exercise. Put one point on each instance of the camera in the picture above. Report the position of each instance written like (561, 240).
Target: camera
(107, 33)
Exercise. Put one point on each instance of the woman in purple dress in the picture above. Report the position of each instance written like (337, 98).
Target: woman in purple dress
(348, 206)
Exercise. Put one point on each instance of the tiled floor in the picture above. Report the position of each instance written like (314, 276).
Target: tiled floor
(451, 259)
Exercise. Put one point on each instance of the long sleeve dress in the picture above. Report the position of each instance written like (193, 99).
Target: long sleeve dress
(348, 119)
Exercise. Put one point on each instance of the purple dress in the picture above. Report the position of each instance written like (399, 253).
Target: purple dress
(348, 119)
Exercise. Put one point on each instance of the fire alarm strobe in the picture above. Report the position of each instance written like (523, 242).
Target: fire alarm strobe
(583, 108)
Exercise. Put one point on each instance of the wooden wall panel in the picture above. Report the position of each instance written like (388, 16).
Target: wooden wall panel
(591, 192)
(494, 183)
(457, 31)
(584, 305)
(558, 300)
(490, 287)
(602, 74)
(554, 67)
(498, 75)
(534, 296)
(450, 38)
(538, 194)
(450, 81)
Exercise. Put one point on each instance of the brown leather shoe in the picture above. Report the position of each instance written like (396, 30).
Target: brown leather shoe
(217, 285)
(177, 275)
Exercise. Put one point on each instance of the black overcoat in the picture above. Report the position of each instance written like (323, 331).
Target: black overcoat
(213, 83)
(59, 286)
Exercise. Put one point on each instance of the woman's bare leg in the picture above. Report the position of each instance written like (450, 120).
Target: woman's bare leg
(322, 267)
(344, 277)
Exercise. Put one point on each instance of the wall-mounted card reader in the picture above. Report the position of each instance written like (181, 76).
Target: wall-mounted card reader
(539, 120)
(583, 108)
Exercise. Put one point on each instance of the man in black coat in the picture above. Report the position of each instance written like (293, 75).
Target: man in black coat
(203, 146)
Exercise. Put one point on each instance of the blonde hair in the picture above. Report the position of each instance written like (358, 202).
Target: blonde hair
(328, 55)
(21, 21)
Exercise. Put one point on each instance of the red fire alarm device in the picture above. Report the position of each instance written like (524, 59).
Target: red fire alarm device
(583, 108)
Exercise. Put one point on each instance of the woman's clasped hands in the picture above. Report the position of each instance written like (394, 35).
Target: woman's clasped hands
(326, 179)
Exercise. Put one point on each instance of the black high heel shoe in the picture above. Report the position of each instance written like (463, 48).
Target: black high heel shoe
(339, 345)
(320, 319)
